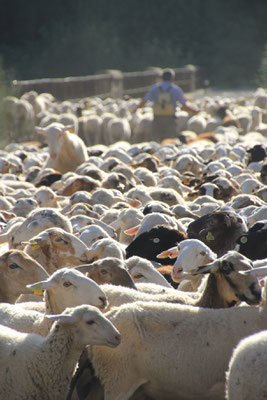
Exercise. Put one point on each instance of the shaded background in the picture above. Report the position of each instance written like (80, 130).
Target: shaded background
(226, 39)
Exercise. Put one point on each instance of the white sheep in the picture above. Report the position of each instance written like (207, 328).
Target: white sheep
(65, 288)
(250, 186)
(174, 183)
(140, 193)
(44, 366)
(197, 123)
(127, 219)
(106, 247)
(23, 207)
(116, 151)
(67, 150)
(257, 124)
(55, 248)
(198, 344)
(246, 375)
(152, 220)
(188, 162)
(90, 129)
(82, 222)
(190, 253)
(259, 213)
(46, 197)
(145, 176)
(142, 270)
(106, 197)
(118, 129)
(226, 285)
(141, 125)
(90, 234)
(19, 117)
(37, 221)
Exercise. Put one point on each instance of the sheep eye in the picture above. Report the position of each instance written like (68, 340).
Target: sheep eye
(90, 322)
(58, 240)
(67, 284)
(104, 272)
(14, 266)
(139, 276)
(243, 239)
(202, 253)
(227, 267)
(90, 261)
(212, 221)
(156, 240)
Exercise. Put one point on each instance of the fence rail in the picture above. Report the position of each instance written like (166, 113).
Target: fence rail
(111, 83)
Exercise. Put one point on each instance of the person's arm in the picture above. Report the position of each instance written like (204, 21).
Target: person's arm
(189, 108)
(179, 96)
(141, 104)
(150, 96)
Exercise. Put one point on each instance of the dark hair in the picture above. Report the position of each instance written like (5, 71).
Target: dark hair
(168, 74)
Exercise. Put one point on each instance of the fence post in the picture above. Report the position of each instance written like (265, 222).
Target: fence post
(116, 86)
(192, 73)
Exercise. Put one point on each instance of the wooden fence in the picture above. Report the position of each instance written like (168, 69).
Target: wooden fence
(110, 83)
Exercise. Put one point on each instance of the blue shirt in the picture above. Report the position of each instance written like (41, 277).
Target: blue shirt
(175, 92)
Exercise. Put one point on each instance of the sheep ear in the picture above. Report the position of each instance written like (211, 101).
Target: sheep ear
(69, 128)
(132, 231)
(133, 202)
(206, 269)
(171, 253)
(33, 243)
(8, 215)
(259, 272)
(38, 287)
(65, 318)
(227, 220)
(40, 130)
(84, 268)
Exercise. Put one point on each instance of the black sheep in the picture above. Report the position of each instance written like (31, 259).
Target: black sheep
(253, 244)
(219, 230)
(149, 244)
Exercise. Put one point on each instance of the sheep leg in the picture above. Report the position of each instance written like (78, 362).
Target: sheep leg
(125, 392)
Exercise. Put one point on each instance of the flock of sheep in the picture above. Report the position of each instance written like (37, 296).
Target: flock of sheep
(133, 268)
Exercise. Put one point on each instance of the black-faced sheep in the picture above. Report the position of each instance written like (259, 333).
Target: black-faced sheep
(253, 244)
(218, 230)
(149, 244)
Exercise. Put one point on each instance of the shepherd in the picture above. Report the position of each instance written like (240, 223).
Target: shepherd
(165, 97)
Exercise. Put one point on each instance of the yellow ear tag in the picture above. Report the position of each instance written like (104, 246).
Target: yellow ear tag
(71, 130)
(35, 246)
(38, 289)
(209, 237)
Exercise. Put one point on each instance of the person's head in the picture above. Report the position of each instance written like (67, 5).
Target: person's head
(168, 74)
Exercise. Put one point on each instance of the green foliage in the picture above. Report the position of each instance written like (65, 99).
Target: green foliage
(225, 38)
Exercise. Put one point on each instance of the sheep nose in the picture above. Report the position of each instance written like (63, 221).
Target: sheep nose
(117, 338)
(104, 302)
(176, 274)
(177, 271)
